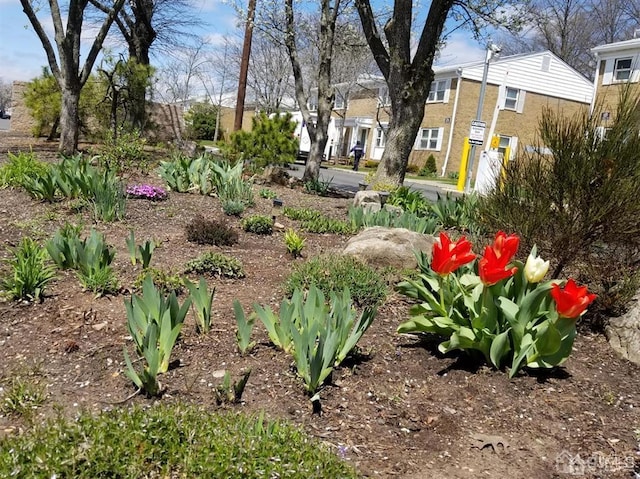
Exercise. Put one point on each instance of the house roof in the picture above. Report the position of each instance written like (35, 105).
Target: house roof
(540, 72)
(633, 44)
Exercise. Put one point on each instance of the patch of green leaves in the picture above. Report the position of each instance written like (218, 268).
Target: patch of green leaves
(294, 242)
(336, 272)
(216, 265)
(202, 301)
(191, 442)
(30, 271)
(258, 224)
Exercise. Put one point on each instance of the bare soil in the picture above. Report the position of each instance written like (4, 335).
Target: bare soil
(401, 410)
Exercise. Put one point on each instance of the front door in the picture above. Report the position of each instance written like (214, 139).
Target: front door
(363, 134)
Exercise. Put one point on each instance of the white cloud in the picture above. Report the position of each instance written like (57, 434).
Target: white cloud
(460, 49)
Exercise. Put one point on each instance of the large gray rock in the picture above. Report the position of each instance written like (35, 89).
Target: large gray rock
(379, 246)
(624, 332)
(364, 197)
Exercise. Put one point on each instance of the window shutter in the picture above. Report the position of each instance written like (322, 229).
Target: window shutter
(607, 77)
(440, 136)
(520, 105)
(502, 93)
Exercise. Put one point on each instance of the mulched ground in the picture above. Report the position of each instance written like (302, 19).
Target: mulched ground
(401, 410)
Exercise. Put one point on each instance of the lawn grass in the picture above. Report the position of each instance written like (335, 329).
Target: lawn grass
(176, 441)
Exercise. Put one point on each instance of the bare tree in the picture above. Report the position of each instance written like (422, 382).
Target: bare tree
(570, 28)
(407, 67)
(68, 74)
(181, 76)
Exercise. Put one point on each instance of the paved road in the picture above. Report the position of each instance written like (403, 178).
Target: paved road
(4, 124)
(348, 180)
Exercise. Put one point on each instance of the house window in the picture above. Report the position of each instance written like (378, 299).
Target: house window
(381, 139)
(438, 91)
(340, 102)
(430, 139)
(622, 69)
(511, 99)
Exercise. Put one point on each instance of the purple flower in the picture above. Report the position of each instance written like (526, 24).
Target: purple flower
(148, 192)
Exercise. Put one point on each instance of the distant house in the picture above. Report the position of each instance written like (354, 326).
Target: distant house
(618, 67)
(519, 87)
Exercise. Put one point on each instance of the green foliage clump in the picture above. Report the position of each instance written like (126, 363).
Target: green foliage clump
(30, 271)
(360, 218)
(20, 169)
(577, 198)
(216, 264)
(294, 242)
(233, 207)
(203, 231)
(429, 168)
(271, 141)
(409, 200)
(268, 194)
(164, 281)
(301, 214)
(123, 151)
(335, 272)
(22, 397)
(314, 221)
(154, 321)
(43, 98)
(258, 224)
(319, 335)
(193, 443)
(201, 121)
(318, 186)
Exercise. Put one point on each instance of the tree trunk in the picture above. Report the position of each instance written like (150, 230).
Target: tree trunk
(401, 134)
(69, 120)
(312, 168)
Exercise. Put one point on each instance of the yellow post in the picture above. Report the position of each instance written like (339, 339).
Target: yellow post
(463, 165)
(505, 160)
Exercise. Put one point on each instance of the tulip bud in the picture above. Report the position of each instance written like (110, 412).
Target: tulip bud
(535, 269)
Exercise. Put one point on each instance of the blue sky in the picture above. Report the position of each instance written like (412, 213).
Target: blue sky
(22, 56)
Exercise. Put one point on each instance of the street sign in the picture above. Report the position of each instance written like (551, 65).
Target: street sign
(476, 134)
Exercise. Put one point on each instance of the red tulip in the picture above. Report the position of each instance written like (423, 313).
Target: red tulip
(493, 264)
(505, 246)
(448, 257)
(571, 301)
(492, 268)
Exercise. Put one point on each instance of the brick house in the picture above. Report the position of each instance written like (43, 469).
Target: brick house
(618, 67)
(518, 88)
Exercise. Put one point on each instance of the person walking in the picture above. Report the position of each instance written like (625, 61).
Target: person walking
(357, 151)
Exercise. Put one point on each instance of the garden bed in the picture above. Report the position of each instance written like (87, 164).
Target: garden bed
(400, 410)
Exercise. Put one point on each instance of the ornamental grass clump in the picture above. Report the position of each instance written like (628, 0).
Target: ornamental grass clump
(147, 192)
(493, 305)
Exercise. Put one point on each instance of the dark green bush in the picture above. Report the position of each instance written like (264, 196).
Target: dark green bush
(429, 168)
(204, 231)
(167, 441)
(271, 141)
(334, 273)
(201, 121)
(577, 198)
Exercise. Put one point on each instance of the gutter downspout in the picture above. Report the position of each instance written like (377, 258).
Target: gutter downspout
(595, 85)
(453, 122)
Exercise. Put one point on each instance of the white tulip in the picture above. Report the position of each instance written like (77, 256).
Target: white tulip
(535, 269)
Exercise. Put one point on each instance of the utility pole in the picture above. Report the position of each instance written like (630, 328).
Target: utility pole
(244, 65)
(492, 50)
(224, 75)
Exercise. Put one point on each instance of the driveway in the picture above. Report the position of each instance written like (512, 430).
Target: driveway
(348, 180)
(4, 125)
